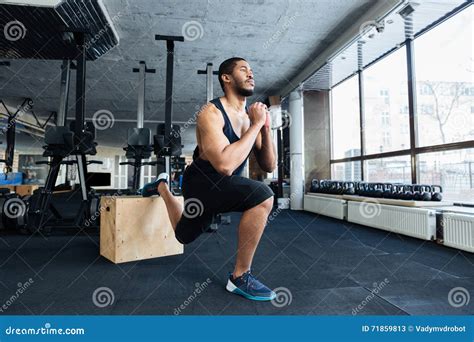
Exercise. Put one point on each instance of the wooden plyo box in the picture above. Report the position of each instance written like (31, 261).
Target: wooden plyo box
(11, 187)
(24, 190)
(136, 228)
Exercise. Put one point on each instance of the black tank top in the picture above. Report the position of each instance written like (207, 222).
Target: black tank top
(204, 165)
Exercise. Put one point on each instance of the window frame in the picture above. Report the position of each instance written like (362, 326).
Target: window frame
(413, 150)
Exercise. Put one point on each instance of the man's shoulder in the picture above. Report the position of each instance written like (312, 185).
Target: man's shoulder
(209, 111)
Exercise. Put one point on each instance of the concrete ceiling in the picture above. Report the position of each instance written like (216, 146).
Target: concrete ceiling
(278, 38)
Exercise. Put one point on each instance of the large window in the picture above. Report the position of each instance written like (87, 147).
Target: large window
(346, 171)
(444, 75)
(386, 105)
(388, 170)
(443, 123)
(453, 170)
(346, 119)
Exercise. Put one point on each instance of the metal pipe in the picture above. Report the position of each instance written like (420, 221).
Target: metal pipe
(63, 93)
(189, 122)
(80, 85)
(296, 150)
(209, 83)
(141, 95)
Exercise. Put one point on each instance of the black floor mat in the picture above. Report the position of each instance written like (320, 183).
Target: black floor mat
(317, 265)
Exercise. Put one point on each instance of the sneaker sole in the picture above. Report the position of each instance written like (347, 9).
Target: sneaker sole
(234, 289)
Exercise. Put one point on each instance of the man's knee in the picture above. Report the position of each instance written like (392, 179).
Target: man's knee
(267, 205)
(183, 238)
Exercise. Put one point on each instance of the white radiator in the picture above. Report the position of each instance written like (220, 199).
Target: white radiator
(326, 206)
(458, 231)
(415, 222)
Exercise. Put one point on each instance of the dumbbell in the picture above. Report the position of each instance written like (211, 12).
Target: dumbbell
(335, 187)
(422, 192)
(327, 186)
(426, 193)
(361, 188)
(407, 193)
(373, 190)
(349, 188)
(330, 186)
(322, 186)
(340, 187)
(436, 196)
(387, 190)
(314, 185)
(378, 190)
(397, 191)
(417, 192)
(368, 190)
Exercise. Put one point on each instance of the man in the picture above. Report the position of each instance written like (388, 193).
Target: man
(226, 135)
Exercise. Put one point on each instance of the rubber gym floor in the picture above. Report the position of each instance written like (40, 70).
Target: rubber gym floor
(327, 267)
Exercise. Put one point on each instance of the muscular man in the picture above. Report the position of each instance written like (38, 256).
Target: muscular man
(226, 135)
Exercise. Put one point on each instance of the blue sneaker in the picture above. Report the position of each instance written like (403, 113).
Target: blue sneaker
(151, 189)
(249, 287)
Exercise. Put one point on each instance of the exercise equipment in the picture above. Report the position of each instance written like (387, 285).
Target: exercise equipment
(66, 42)
(139, 145)
(138, 148)
(397, 191)
(209, 84)
(376, 190)
(314, 185)
(436, 195)
(362, 189)
(421, 192)
(168, 138)
(338, 187)
(387, 190)
(45, 207)
(407, 193)
(61, 141)
(12, 209)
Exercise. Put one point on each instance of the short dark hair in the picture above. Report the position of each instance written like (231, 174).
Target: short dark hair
(227, 67)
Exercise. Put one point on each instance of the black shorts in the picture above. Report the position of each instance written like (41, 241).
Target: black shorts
(210, 193)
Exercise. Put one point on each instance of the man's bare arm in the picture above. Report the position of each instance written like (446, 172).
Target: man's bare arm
(264, 150)
(224, 156)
